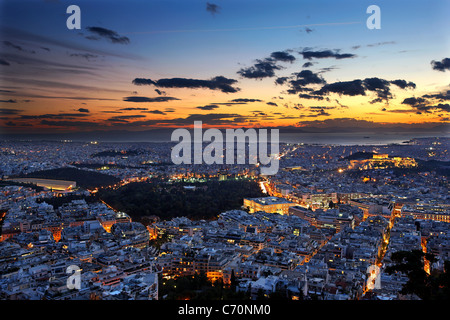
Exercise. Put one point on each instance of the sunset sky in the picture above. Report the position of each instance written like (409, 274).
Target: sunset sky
(137, 65)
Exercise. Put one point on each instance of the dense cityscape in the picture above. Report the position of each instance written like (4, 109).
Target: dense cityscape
(335, 223)
(224, 158)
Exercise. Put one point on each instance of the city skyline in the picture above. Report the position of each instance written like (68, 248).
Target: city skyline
(293, 65)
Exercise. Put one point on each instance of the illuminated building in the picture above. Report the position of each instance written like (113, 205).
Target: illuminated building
(383, 161)
(59, 185)
(427, 212)
(268, 204)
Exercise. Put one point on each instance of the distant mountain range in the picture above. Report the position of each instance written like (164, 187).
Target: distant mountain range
(164, 134)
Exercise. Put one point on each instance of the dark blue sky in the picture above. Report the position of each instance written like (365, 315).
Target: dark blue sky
(49, 70)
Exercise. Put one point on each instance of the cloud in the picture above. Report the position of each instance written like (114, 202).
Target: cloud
(325, 54)
(403, 84)
(147, 99)
(16, 47)
(126, 117)
(302, 79)
(40, 41)
(245, 100)
(83, 110)
(272, 104)
(155, 112)
(261, 69)
(65, 116)
(4, 62)
(208, 107)
(307, 64)
(7, 111)
(412, 101)
(430, 108)
(310, 96)
(132, 109)
(8, 101)
(212, 8)
(371, 45)
(422, 105)
(442, 65)
(110, 111)
(282, 56)
(110, 35)
(160, 92)
(217, 83)
(349, 88)
(86, 56)
(265, 68)
(281, 80)
(380, 87)
(441, 96)
(380, 43)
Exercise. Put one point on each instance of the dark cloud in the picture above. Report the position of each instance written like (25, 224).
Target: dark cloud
(325, 54)
(430, 108)
(380, 87)
(4, 62)
(147, 99)
(303, 79)
(65, 116)
(442, 96)
(111, 35)
(265, 68)
(7, 111)
(399, 110)
(155, 112)
(217, 83)
(110, 111)
(281, 80)
(143, 82)
(8, 101)
(308, 30)
(412, 101)
(126, 117)
(11, 45)
(272, 104)
(132, 109)
(307, 64)
(83, 110)
(282, 56)
(261, 69)
(349, 88)
(442, 65)
(423, 105)
(245, 100)
(403, 84)
(163, 93)
(40, 41)
(212, 8)
(208, 107)
(310, 96)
